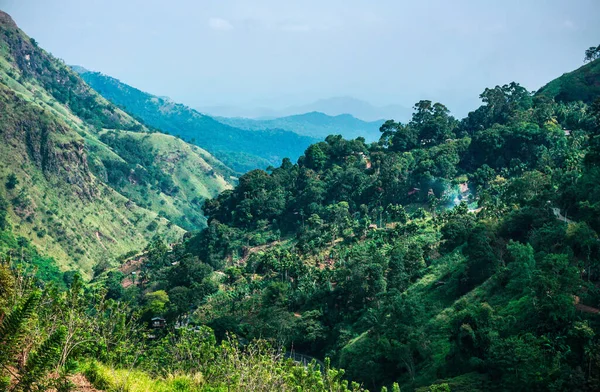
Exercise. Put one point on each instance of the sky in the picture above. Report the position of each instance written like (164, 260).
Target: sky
(278, 53)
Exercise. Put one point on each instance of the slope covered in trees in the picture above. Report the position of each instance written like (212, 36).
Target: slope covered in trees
(240, 149)
(450, 253)
(582, 84)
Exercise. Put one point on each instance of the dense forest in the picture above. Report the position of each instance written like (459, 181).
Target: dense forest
(449, 255)
(462, 253)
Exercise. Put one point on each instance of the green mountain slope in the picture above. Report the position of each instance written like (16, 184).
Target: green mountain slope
(314, 124)
(583, 84)
(70, 192)
(183, 175)
(240, 149)
(439, 255)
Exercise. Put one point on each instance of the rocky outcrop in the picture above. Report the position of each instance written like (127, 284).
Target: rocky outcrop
(57, 151)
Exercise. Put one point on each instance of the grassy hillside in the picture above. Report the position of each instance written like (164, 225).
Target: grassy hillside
(240, 149)
(79, 199)
(314, 124)
(186, 174)
(583, 84)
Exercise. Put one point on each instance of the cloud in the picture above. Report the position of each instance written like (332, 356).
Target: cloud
(568, 24)
(219, 24)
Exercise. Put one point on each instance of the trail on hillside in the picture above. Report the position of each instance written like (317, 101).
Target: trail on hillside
(255, 249)
(560, 216)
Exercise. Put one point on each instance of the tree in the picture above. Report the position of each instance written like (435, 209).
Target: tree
(592, 53)
(315, 158)
(521, 267)
(3, 213)
(12, 181)
(179, 301)
(157, 302)
(482, 261)
(483, 176)
(398, 137)
(433, 123)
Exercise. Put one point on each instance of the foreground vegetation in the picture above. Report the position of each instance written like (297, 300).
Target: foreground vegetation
(48, 335)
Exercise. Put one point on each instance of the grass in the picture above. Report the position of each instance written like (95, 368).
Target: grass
(125, 380)
(78, 231)
(191, 170)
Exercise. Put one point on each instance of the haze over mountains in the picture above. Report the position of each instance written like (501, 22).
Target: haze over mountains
(335, 106)
(241, 143)
(240, 149)
(313, 124)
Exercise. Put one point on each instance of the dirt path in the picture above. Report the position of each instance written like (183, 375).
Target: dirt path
(100, 240)
(584, 308)
(561, 217)
(587, 309)
(255, 249)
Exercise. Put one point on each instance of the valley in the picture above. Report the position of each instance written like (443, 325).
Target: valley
(146, 246)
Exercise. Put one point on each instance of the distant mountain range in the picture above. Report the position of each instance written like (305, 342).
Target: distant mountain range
(244, 143)
(313, 124)
(240, 149)
(331, 106)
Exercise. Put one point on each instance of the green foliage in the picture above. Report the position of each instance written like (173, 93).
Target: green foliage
(12, 181)
(43, 359)
(592, 53)
(12, 327)
(579, 85)
(370, 267)
(29, 258)
(3, 213)
(378, 256)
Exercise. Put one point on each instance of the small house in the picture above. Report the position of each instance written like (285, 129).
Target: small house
(413, 191)
(158, 323)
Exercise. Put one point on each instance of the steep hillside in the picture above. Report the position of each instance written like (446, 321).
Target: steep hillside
(240, 149)
(439, 255)
(59, 176)
(314, 124)
(583, 84)
(181, 176)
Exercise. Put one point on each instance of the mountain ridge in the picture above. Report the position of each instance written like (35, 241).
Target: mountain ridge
(71, 194)
(241, 149)
(333, 106)
(313, 124)
(582, 84)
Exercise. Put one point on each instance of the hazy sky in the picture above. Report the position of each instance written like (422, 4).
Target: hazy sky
(288, 52)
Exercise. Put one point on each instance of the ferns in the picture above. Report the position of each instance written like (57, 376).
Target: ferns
(42, 360)
(11, 328)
